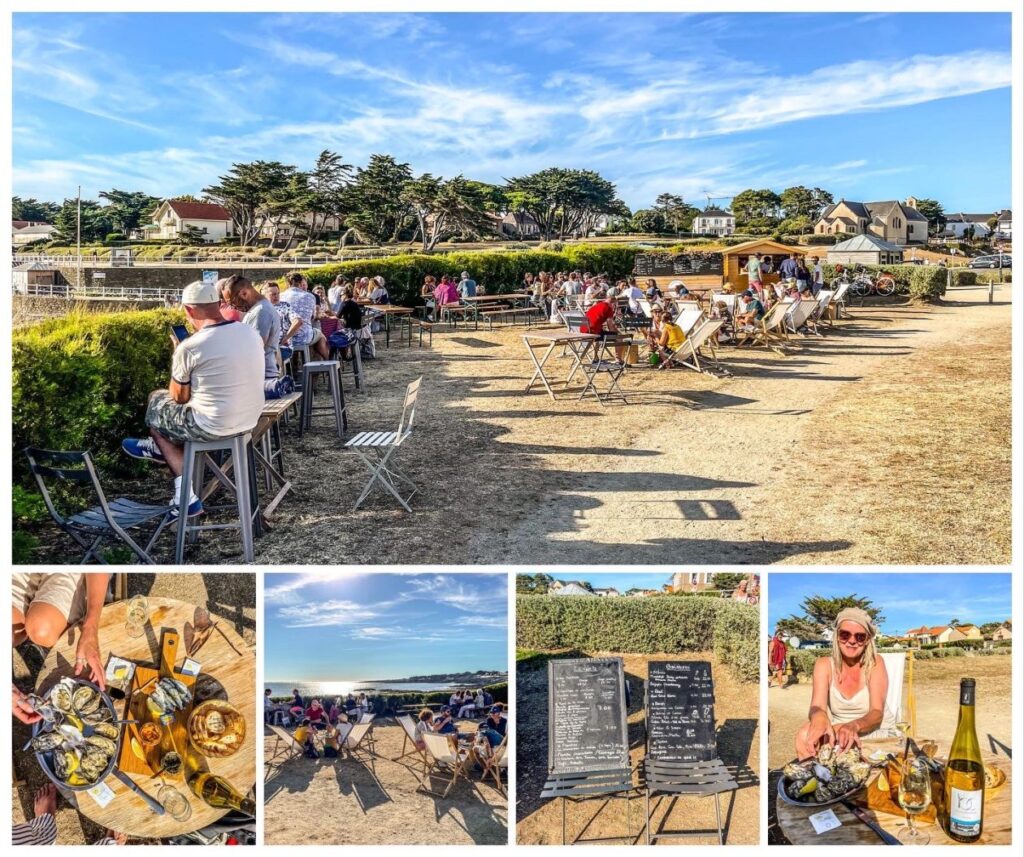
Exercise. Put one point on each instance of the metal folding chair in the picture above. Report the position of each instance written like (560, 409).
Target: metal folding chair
(93, 526)
(376, 449)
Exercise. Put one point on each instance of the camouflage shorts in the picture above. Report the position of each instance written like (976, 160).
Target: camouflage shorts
(173, 420)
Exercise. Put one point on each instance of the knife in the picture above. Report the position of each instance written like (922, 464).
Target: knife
(860, 815)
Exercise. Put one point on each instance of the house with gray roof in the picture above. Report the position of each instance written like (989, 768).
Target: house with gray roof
(865, 250)
(893, 221)
(714, 221)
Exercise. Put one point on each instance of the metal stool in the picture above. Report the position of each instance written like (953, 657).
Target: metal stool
(332, 369)
(298, 359)
(197, 456)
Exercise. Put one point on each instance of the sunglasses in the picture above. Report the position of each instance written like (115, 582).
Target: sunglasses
(857, 637)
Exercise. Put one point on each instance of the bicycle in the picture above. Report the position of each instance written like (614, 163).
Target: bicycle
(861, 286)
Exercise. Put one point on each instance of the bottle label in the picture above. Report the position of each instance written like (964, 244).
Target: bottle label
(964, 811)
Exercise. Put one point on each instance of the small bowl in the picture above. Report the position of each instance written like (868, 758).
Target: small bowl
(216, 729)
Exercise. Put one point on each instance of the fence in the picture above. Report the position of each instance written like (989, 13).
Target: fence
(95, 261)
(91, 291)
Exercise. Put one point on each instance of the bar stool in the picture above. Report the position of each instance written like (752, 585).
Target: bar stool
(298, 359)
(197, 454)
(332, 369)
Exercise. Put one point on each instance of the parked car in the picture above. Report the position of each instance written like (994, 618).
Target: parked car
(992, 261)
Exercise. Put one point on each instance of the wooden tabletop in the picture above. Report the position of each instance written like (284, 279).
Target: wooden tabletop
(127, 813)
(496, 297)
(556, 336)
(392, 309)
(798, 830)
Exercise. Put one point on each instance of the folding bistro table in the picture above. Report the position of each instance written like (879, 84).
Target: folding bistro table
(576, 343)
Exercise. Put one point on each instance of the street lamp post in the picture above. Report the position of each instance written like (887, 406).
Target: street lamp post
(78, 239)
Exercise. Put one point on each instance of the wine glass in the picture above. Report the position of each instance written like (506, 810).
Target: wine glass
(136, 616)
(174, 802)
(915, 796)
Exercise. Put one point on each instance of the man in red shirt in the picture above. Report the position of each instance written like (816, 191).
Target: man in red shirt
(601, 321)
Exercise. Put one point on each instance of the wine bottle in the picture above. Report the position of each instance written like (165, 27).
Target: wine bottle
(965, 774)
(218, 792)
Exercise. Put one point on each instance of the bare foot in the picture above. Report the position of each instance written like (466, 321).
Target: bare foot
(45, 801)
(119, 838)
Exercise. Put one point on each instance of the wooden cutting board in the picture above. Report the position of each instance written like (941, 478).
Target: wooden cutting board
(175, 736)
(881, 793)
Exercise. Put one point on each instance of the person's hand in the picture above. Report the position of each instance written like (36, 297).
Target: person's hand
(22, 708)
(846, 736)
(87, 656)
(820, 732)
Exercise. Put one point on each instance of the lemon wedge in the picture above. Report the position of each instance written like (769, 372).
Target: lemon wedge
(137, 750)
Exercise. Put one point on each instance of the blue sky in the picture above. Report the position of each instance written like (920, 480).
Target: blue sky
(867, 106)
(908, 600)
(335, 626)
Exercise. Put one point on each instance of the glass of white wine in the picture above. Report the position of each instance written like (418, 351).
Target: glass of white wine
(915, 796)
(136, 616)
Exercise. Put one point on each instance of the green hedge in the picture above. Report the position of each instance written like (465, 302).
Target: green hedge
(801, 661)
(921, 282)
(644, 626)
(81, 381)
(497, 270)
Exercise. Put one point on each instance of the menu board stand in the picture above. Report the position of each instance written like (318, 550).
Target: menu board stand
(682, 757)
(588, 748)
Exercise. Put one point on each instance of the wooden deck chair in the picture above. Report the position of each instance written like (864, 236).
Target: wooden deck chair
(823, 300)
(355, 740)
(645, 307)
(496, 763)
(689, 316)
(770, 329)
(409, 740)
(800, 314)
(688, 354)
(283, 738)
(895, 668)
(445, 762)
(375, 448)
(837, 307)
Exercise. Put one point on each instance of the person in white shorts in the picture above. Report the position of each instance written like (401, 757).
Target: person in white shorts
(44, 606)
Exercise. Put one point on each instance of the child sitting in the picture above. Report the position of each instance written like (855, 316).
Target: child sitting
(304, 736)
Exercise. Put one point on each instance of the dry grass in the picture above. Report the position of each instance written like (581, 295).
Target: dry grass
(539, 821)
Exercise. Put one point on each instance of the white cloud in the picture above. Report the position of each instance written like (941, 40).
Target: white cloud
(316, 614)
(287, 592)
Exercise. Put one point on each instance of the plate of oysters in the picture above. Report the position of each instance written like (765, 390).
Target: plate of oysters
(828, 778)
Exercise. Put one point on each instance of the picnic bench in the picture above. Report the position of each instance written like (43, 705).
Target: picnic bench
(529, 313)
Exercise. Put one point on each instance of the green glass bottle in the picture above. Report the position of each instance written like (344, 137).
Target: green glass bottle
(965, 774)
(218, 792)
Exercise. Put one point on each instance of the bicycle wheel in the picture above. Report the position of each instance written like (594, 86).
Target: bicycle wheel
(859, 288)
(885, 286)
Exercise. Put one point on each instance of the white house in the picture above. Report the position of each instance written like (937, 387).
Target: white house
(608, 592)
(173, 216)
(714, 221)
(1003, 632)
(287, 230)
(865, 250)
(26, 231)
(958, 224)
(570, 589)
(1004, 224)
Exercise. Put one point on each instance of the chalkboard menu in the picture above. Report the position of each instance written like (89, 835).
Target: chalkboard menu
(586, 716)
(677, 264)
(680, 711)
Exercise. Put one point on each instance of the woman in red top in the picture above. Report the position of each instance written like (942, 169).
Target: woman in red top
(777, 660)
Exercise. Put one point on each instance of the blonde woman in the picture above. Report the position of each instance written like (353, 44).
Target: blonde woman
(848, 693)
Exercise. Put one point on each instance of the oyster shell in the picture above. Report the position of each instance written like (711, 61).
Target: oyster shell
(107, 730)
(47, 741)
(103, 743)
(62, 695)
(86, 700)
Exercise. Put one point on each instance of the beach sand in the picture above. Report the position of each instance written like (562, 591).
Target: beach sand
(539, 821)
(347, 802)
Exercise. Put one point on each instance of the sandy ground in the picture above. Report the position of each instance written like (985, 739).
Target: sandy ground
(936, 686)
(539, 821)
(791, 460)
(350, 802)
(232, 597)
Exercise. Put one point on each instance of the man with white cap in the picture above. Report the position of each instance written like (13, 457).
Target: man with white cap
(216, 387)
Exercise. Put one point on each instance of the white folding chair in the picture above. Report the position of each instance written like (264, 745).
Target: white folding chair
(292, 748)
(409, 738)
(688, 317)
(446, 762)
(496, 763)
(838, 304)
(375, 448)
(799, 314)
(353, 740)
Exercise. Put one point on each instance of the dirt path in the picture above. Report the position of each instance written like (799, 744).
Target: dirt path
(936, 685)
(725, 476)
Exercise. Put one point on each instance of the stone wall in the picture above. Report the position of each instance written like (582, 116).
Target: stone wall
(167, 278)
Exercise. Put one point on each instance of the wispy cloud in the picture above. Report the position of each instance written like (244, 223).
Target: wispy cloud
(315, 614)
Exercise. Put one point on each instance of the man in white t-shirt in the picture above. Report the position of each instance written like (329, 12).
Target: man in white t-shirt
(216, 387)
(817, 276)
(635, 295)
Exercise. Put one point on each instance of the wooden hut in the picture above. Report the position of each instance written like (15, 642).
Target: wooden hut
(734, 261)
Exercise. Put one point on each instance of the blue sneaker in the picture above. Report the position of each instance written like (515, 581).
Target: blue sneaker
(194, 508)
(143, 448)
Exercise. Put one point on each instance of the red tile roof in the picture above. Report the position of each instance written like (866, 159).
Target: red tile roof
(199, 210)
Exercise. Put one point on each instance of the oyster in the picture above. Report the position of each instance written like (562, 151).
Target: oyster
(822, 773)
(825, 753)
(86, 700)
(103, 743)
(100, 715)
(798, 790)
(62, 695)
(168, 696)
(107, 730)
(47, 741)
(859, 771)
(65, 763)
(796, 771)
